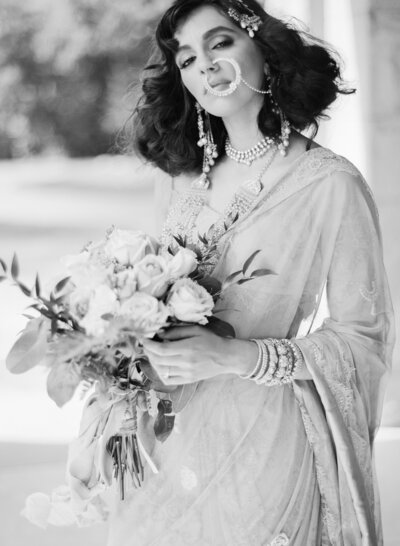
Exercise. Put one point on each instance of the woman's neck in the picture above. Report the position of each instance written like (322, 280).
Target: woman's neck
(242, 128)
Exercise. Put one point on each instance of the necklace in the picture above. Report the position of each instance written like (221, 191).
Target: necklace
(248, 191)
(248, 156)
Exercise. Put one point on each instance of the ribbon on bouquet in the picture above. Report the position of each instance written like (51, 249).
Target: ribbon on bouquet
(91, 466)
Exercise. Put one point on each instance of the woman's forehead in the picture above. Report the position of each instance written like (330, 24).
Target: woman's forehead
(200, 21)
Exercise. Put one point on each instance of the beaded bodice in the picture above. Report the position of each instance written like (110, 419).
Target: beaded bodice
(186, 208)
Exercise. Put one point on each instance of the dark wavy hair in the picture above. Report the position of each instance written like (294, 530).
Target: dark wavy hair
(305, 79)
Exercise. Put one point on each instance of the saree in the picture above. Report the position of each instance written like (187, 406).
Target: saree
(286, 465)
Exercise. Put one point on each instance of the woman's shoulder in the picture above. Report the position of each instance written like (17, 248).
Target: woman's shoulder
(320, 160)
(335, 176)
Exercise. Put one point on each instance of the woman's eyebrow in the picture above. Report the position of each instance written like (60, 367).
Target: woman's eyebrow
(207, 35)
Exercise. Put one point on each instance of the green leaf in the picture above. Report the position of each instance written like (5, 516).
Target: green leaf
(61, 284)
(242, 281)
(220, 327)
(3, 265)
(30, 348)
(14, 267)
(249, 261)
(62, 382)
(262, 272)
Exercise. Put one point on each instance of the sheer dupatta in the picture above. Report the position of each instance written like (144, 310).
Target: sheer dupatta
(319, 230)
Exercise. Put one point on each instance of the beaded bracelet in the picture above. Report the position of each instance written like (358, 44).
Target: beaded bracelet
(298, 356)
(278, 360)
(259, 363)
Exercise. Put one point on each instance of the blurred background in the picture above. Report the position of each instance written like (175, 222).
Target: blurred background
(68, 82)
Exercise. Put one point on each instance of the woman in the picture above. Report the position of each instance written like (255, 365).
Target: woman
(274, 445)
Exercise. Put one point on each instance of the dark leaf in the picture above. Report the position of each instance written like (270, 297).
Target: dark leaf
(24, 289)
(262, 272)
(61, 284)
(14, 267)
(232, 277)
(54, 326)
(46, 313)
(37, 285)
(242, 281)
(220, 327)
(3, 265)
(211, 284)
(164, 424)
(249, 261)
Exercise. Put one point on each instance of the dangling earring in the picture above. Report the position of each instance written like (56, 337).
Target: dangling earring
(283, 143)
(206, 141)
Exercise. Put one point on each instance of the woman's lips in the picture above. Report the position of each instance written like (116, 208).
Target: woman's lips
(220, 86)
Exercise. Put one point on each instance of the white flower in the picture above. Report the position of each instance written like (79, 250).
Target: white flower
(182, 264)
(190, 302)
(37, 509)
(152, 275)
(145, 313)
(102, 301)
(85, 271)
(129, 247)
(42, 510)
(125, 283)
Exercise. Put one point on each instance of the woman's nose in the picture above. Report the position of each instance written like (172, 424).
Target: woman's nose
(206, 65)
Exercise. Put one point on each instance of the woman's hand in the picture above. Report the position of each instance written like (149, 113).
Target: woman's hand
(191, 353)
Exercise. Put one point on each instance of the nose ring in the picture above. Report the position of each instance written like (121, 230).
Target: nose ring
(233, 85)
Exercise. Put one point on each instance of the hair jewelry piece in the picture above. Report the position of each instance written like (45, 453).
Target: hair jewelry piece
(250, 22)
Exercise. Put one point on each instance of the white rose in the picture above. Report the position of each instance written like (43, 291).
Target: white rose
(145, 313)
(129, 247)
(102, 301)
(125, 283)
(37, 509)
(190, 302)
(152, 275)
(85, 273)
(182, 264)
(42, 510)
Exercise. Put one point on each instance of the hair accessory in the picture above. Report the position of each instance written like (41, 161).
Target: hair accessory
(250, 22)
(206, 141)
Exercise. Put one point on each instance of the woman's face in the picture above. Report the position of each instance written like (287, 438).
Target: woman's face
(205, 35)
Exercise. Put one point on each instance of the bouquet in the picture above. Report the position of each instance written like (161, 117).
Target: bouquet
(88, 332)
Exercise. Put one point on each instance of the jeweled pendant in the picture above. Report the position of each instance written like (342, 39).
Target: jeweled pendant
(253, 186)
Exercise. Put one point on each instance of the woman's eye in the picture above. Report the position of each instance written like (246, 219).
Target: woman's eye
(186, 62)
(223, 43)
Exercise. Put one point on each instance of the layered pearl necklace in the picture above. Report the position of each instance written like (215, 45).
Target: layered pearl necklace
(251, 154)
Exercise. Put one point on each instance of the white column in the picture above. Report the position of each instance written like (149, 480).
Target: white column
(385, 158)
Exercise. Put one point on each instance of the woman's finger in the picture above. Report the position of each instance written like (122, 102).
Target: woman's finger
(182, 332)
(177, 348)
